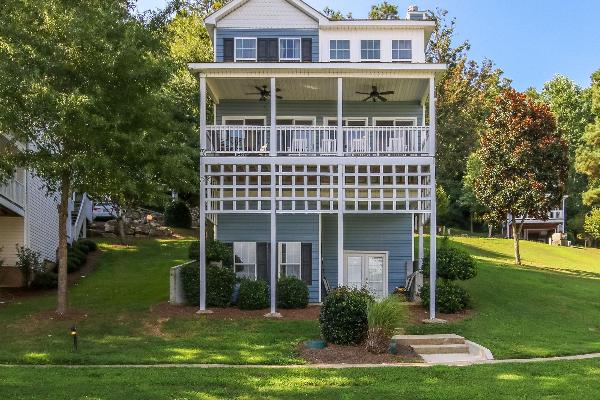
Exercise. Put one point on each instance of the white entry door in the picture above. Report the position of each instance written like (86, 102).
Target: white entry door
(367, 269)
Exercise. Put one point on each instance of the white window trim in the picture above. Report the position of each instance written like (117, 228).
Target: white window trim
(386, 266)
(312, 118)
(299, 49)
(412, 119)
(361, 50)
(227, 118)
(280, 258)
(349, 50)
(255, 256)
(235, 57)
(326, 120)
(402, 59)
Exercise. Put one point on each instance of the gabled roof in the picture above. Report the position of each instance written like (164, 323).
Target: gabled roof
(215, 16)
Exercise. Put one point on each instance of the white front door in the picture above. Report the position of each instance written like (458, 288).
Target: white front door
(366, 269)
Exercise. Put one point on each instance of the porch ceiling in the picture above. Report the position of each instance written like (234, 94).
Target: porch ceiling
(304, 88)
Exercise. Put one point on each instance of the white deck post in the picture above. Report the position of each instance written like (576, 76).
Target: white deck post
(202, 206)
(340, 227)
(420, 228)
(433, 218)
(273, 136)
(340, 129)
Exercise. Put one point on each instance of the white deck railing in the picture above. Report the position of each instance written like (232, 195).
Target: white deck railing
(14, 191)
(318, 140)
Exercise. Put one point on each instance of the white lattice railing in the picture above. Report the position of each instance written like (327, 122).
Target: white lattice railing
(318, 140)
(13, 191)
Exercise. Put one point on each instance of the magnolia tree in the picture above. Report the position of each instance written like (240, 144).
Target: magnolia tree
(524, 162)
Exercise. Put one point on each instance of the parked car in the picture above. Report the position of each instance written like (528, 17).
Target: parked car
(104, 211)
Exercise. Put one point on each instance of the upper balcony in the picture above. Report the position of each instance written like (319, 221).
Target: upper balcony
(12, 193)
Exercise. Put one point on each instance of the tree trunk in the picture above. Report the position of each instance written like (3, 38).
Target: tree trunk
(490, 230)
(63, 218)
(471, 222)
(121, 226)
(516, 232)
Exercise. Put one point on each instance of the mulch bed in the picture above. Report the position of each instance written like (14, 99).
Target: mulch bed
(10, 295)
(167, 310)
(336, 354)
(417, 313)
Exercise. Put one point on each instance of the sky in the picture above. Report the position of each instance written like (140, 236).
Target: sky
(530, 40)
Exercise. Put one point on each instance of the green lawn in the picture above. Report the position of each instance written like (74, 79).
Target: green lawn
(532, 311)
(578, 380)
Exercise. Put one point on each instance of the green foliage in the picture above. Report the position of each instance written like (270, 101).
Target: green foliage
(29, 263)
(588, 154)
(254, 295)
(219, 284)
(592, 223)
(177, 215)
(450, 297)
(215, 251)
(89, 244)
(292, 293)
(336, 15)
(453, 263)
(384, 10)
(383, 318)
(442, 201)
(343, 317)
(78, 256)
(44, 280)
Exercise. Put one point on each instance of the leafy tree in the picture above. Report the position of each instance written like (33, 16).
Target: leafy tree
(384, 10)
(442, 201)
(79, 82)
(523, 162)
(592, 223)
(588, 154)
(336, 15)
(467, 198)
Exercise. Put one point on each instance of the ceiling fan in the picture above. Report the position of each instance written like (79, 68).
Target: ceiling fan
(264, 93)
(376, 94)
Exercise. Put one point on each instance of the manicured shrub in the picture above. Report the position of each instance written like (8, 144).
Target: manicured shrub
(177, 215)
(28, 262)
(75, 254)
(452, 263)
(90, 244)
(343, 318)
(383, 318)
(45, 280)
(292, 293)
(450, 298)
(72, 265)
(254, 295)
(219, 285)
(215, 251)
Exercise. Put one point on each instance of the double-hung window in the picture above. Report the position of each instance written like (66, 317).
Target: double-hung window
(339, 50)
(244, 259)
(289, 49)
(370, 49)
(401, 50)
(290, 259)
(245, 49)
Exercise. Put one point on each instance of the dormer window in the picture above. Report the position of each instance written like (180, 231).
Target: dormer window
(245, 49)
(289, 49)
(401, 50)
(370, 50)
(339, 50)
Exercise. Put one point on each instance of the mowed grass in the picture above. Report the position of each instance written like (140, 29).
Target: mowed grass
(116, 326)
(531, 311)
(578, 380)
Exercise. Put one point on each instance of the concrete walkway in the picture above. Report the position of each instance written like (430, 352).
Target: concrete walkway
(314, 366)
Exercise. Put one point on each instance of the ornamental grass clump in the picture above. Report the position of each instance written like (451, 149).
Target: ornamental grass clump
(383, 318)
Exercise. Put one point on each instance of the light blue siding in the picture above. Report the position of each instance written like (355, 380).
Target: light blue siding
(290, 228)
(374, 232)
(266, 33)
(319, 109)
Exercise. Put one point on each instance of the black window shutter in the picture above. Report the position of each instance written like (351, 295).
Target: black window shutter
(263, 261)
(227, 49)
(306, 261)
(273, 50)
(262, 46)
(306, 49)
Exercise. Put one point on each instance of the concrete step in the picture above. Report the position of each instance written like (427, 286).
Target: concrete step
(440, 348)
(439, 339)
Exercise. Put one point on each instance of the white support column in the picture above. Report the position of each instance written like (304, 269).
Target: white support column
(420, 246)
(340, 227)
(202, 205)
(273, 313)
(433, 218)
(273, 138)
(340, 124)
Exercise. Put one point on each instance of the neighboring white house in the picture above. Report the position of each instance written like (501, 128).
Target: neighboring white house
(326, 179)
(28, 217)
(540, 230)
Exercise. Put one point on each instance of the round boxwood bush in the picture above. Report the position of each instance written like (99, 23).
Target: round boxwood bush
(254, 295)
(177, 215)
(343, 317)
(78, 256)
(450, 298)
(292, 293)
(452, 264)
(44, 280)
(90, 244)
(215, 251)
(219, 284)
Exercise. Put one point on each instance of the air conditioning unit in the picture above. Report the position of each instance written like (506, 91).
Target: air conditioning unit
(414, 14)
